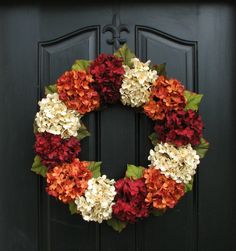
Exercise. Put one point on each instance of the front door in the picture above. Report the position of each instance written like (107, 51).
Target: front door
(38, 43)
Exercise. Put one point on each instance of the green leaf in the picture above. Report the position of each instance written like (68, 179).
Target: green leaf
(158, 212)
(193, 100)
(153, 138)
(202, 148)
(82, 132)
(35, 127)
(126, 54)
(188, 187)
(73, 207)
(160, 68)
(38, 168)
(134, 172)
(50, 89)
(116, 224)
(95, 168)
(81, 65)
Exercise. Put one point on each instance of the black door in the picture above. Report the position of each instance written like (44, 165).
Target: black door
(38, 43)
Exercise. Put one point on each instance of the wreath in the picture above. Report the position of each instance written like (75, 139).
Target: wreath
(178, 143)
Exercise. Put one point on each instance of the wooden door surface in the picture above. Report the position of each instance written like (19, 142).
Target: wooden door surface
(38, 43)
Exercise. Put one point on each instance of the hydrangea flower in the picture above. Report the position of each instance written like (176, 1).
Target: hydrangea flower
(177, 163)
(75, 89)
(130, 200)
(96, 204)
(55, 118)
(68, 181)
(107, 72)
(180, 128)
(136, 85)
(53, 150)
(162, 192)
(166, 95)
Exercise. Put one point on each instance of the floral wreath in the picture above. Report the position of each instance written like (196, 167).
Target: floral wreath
(177, 139)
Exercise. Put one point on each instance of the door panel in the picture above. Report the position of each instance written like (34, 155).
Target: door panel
(59, 230)
(38, 43)
(180, 54)
(58, 55)
(181, 58)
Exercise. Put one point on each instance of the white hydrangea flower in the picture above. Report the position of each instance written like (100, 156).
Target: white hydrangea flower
(136, 84)
(177, 163)
(96, 204)
(54, 117)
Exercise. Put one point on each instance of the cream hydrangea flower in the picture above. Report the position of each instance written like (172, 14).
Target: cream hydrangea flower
(97, 202)
(136, 84)
(177, 163)
(55, 118)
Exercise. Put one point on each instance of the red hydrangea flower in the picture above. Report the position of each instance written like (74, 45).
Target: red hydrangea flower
(53, 150)
(130, 200)
(107, 72)
(180, 128)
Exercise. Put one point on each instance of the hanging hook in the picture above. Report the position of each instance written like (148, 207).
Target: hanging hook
(116, 28)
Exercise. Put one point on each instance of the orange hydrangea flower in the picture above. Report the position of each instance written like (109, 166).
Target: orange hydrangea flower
(162, 192)
(166, 95)
(74, 89)
(68, 181)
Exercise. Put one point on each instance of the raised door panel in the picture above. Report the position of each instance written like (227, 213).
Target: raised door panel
(180, 55)
(60, 230)
(180, 223)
